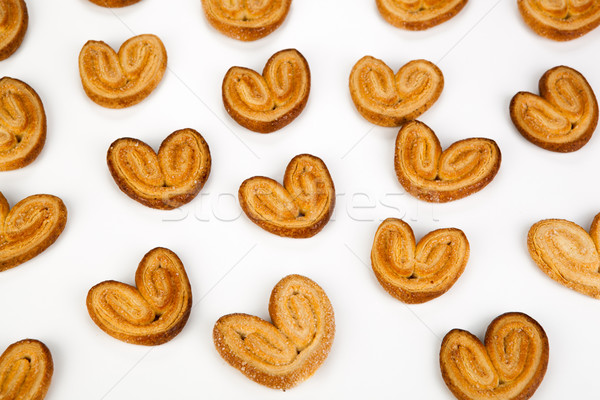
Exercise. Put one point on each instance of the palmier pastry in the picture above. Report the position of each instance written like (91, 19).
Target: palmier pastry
(564, 116)
(29, 228)
(22, 124)
(114, 3)
(121, 80)
(287, 351)
(560, 19)
(298, 209)
(416, 273)
(246, 19)
(385, 99)
(154, 311)
(429, 174)
(164, 181)
(567, 253)
(269, 102)
(26, 369)
(418, 15)
(509, 365)
(13, 25)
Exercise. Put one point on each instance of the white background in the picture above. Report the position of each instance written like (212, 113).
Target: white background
(382, 347)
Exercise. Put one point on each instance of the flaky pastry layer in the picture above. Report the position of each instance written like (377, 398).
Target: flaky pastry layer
(13, 25)
(26, 369)
(418, 15)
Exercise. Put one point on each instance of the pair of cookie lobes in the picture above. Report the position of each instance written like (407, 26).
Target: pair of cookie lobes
(29, 228)
(246, 20)
(561, 20)
(282, 353)
(563, 117)
(268, 102)
(26, 369)
(151, 313)
(166, 180)
(387, 99)
(509, 365)
(418, 15)
(13, 25)
(22, 124)
(416, 273)
(433, 175)
(299, 208)
(567, 253)
(123, 79)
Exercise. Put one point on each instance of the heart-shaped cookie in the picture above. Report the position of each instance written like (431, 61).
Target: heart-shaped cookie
(22, 124)
(510, 366)
(29, 228)
(26, 369)
(418, 15)
(114, 3)
(560, 19)
(385, 99)
(287, 351)
(269, 102)
(563, 118)
(154, 311)
(121, 80)
(429, 174)
(567, 253)
(164, 181)
(246, 19)
(416, 273)
(13, 25)
(298, 209)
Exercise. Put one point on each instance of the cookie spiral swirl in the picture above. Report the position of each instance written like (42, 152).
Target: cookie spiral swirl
(121, 80)
(560, 20)
(22, 124)
(385, 99)
(564, 116)
(298, 209)
(29, 228)
(416, 273)
(567, 253)
(418, 15)
(13, 25)
(429, 174)
(166, 180)
(246, 20)
(287, 351)
(154, 311)
(26, 369)
(509, 366)
(269, 102)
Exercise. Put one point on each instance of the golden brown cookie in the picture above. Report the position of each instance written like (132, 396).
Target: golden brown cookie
(385, 99)
(418, 15)
(121, 80)
(466, 167)
(246, 19)
(22, 124)
(298, 209)
(287, 351)
(26, 369)
(13, 25)
(567, 253)
(164, 181)
(269, 102)
(564, 116)
(114, 3)
(561, 19)
(151, 313)
(416, 273)
(510, 365)
(29, 228)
